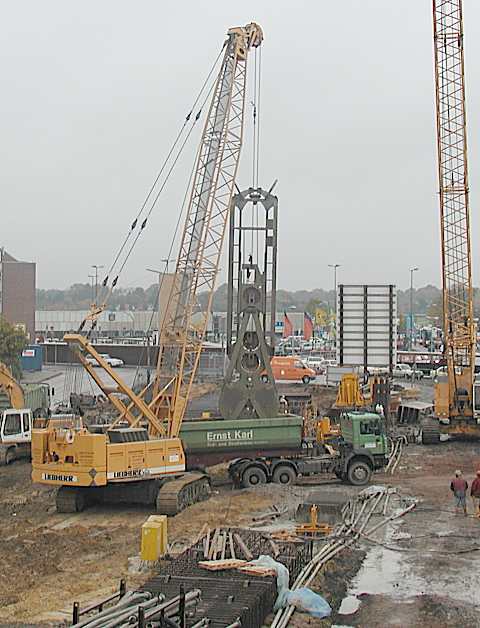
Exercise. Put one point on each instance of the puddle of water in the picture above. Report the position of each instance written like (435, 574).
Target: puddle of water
(404, 575)
(349, 605)
(385, 572)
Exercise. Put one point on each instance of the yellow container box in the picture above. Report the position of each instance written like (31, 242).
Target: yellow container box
(154, 538)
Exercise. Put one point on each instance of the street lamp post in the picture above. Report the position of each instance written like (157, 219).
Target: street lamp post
(97, 267)
(92, 277)
(335, 266)
(412, 270)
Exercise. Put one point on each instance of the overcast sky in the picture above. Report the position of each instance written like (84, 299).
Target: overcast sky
(94, 92)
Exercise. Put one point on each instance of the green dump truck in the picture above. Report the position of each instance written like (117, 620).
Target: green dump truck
(275, 450)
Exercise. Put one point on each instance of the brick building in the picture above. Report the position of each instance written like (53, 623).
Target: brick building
(17, 292)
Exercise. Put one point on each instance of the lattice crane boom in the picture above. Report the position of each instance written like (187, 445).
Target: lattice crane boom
(458, 322)
(204, 229)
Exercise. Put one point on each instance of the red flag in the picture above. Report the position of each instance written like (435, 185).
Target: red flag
(287, 326)
(307, 326)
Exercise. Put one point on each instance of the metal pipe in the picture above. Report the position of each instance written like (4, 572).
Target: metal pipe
(126, 600)
(119, 614)
(327, 552)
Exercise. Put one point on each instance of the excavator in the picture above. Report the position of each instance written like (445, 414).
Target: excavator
(140, 457)
(457, 395)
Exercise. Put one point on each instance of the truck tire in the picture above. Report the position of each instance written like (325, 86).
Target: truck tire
(253, 476)
(284, 474)
(7, 456)
(359, 473)
(305, 379)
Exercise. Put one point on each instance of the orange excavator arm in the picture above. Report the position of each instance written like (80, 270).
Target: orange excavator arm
(10, 387)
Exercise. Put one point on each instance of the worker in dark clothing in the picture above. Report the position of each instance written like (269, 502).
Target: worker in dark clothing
(459, 486)
(475, 493)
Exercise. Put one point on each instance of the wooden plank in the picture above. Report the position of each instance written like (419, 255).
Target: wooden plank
(206, 546)
(232, 548)
(224, 545)
(218, 545)
(274, 546)
(200, 534)
(213, 544)
(256, 570)
(246, 552)
(219, 565)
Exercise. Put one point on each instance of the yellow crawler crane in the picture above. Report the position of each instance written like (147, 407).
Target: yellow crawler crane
(141, 450)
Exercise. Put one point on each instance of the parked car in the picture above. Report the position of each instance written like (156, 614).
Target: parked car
(443, 370)
(291, 368)
(307, 346)
(406, 371)
(113, 362)
(317, 364)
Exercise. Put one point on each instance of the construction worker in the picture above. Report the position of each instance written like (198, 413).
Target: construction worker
(475, 493)
(283, 405)
(459, 486)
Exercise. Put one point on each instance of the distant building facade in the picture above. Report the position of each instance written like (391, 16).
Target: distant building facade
(17, 292)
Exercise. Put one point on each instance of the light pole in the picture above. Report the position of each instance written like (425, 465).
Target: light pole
(167, 261)
(156, 272)
(412, 270)
(97, 268)
(335, 266)
(92, 277)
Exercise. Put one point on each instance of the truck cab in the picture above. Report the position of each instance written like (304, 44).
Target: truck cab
(15, 434)
(364, 431)
(363, 446)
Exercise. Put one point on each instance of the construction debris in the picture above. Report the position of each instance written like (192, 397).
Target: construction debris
(313, 528)
(356, 516)
(241, 543)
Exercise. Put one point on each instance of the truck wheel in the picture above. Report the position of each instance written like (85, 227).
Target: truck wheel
(305, 379)
(7, 456)
(264, 379)
(359, 473)
(284, 474)
(253, 477)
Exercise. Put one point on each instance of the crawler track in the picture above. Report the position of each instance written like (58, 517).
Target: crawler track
(176, 495)
(430, 432)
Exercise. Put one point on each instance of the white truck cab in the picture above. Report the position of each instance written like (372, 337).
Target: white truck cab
(15, 434)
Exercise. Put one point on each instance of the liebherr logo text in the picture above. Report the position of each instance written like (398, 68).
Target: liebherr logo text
(230, 435)
(131, 473)
(59, 477)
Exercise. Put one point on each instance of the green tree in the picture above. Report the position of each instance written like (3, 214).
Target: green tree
(12, 342)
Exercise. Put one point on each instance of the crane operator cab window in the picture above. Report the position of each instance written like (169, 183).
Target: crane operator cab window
(13, 424)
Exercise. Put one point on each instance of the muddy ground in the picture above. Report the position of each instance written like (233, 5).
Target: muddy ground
(424, 572)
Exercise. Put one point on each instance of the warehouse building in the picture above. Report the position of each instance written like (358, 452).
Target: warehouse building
(17, 292)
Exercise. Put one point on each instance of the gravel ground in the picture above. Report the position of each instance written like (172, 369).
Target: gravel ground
(421, 572)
